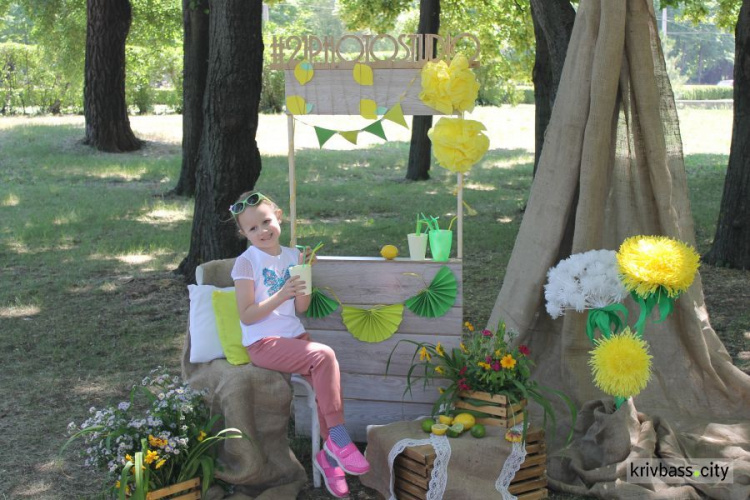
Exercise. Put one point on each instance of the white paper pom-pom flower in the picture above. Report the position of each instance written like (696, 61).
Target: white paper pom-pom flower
(583, 281)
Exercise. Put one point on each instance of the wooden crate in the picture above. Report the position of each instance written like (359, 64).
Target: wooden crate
(504, 414)
(413, 470)
(186, 490)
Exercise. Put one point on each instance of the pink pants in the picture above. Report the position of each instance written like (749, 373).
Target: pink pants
(315, 362)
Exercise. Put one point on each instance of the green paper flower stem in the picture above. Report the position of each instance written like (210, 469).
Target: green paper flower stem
(619, 400)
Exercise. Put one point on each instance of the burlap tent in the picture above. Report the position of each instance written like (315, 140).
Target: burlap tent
(612, 167)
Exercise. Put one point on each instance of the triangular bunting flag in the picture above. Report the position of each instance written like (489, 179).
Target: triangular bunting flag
(323, 134)
(376, 128)
(396, 115)
(349, 135)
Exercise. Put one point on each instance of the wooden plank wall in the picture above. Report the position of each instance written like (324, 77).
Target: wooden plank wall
(334, 92)
(370, 396)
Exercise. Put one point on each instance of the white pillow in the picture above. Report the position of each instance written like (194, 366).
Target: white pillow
(204, 337)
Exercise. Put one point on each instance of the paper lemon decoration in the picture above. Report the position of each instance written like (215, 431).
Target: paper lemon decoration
(362, 74)
(304, 72)
(297, 105)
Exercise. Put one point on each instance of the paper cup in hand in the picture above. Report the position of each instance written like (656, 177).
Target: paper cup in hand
(417, 245)
(304, 271)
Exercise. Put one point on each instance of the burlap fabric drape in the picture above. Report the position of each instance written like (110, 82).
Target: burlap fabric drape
(256, 401)
(612, 167)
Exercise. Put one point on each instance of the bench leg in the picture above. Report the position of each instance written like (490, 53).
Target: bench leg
(309, 394)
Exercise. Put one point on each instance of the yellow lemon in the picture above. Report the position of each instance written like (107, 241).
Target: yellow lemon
(445, 419)
(439, 429)
(389, 252)
(466, 419)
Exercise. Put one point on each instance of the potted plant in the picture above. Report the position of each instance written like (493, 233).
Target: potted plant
(161, 437)
(486, 377)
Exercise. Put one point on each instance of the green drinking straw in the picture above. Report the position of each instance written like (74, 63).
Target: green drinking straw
(312, 254)
(452, 221)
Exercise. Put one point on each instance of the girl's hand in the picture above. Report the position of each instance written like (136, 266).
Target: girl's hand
(293, 287)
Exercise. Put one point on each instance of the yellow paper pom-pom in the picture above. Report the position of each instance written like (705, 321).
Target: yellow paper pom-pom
(649, 262)
(621, 364)
(458, 144)
(463, 86)
(435, 87)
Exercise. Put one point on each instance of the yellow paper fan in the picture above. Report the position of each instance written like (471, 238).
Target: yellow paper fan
(372, 325)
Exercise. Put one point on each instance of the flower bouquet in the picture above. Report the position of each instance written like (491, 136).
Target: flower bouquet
(161, 436)
(483, 362)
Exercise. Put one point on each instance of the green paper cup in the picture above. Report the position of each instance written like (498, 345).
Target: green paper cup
(304, 271)
(417, 245)
(440, 244)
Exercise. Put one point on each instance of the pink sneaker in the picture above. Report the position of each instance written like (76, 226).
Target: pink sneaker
(334, 477)
(349, 458)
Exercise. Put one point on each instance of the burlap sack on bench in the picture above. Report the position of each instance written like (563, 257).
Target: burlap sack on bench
(256, 401)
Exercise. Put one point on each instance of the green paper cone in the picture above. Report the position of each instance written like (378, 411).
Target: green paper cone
(376, 128)
(372, 325)
(323, 134)
(321, 305)
(435, 300)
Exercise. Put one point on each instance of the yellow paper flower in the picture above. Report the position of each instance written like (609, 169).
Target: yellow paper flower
(458, 144)
(508, 362)
(621, 364)
(435, 87)
(648, 262)
(424, 354)
(440, 350)
(463, 86)
(449, 88)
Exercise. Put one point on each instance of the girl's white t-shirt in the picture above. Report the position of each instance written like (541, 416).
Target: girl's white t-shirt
(269, 272)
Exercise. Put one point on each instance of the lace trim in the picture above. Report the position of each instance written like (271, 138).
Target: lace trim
(510, 467)
(439, 478)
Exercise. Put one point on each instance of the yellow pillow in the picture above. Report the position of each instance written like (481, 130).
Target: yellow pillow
(228, 326)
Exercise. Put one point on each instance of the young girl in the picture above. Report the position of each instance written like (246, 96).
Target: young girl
(267, 298)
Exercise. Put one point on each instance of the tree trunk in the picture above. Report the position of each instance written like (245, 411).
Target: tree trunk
(104, 107)
(731, 245)
(229, 161)
(195, 64)
(553, 25)
(421, 148)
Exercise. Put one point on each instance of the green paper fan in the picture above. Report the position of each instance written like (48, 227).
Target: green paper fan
(436, 299)
(321, 305)
(372, 325)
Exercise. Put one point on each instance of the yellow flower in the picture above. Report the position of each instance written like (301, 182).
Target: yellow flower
(508, 362)
(469, 326)
(160, 463)
(117, 484)
(151, 455)
(441, 390)
(498, 353)
(484, 365)
(648, 262)
(463, 348)
(440, 350)
(424, 354)
(202, 436)
(458, 144)
(128, 458)
(156, 442)
(435, 87)
(463, 86)
(439, 369)
(449, 88)
(621, 364)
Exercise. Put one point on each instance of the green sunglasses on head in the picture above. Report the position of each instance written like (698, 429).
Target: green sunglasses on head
(250, 201)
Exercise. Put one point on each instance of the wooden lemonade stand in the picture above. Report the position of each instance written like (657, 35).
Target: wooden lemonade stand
(331, 81)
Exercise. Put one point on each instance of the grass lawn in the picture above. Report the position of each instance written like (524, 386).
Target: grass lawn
(88, 242)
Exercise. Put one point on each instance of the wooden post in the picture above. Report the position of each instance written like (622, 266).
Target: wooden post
(292, 183)
(460, 214)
